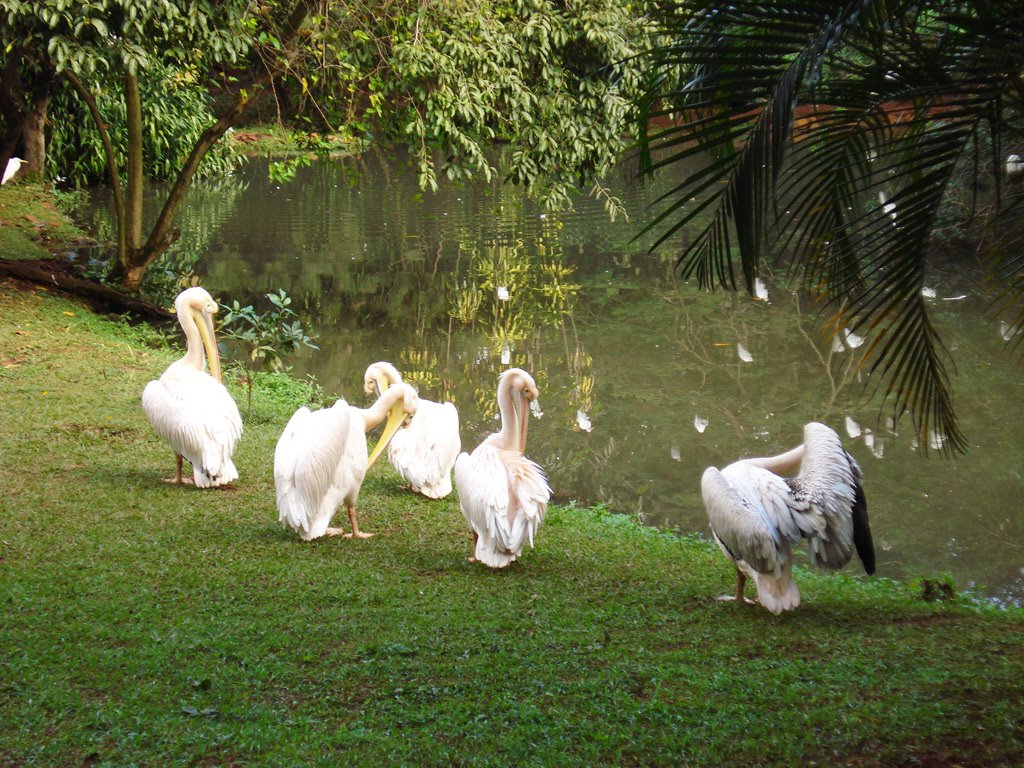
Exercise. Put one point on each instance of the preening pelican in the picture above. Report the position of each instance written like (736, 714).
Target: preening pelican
(502, 493)
(425, 451)
(190, 408)
(321, 460)
(756, 514)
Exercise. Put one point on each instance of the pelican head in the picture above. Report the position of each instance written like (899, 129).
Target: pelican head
(521, 389)
(404, 406)
(196, 307)
(379, 376)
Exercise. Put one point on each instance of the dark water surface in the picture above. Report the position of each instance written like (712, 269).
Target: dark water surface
(641, 376)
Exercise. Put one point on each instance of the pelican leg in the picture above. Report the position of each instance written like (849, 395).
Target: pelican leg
(741, 582)
(472, 558)
(356, 533)
(178, 478)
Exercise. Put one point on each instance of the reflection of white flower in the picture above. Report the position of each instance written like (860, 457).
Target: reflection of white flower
(676, 454)
(583, 421)
(928, 293)
(700, 423)
(936, 440)
(535, 408)
(869, 439)
(852, 427)
(502, 293)
(506, 353)
(1007, 331)
(878, 449)
(852, 339)
(837, 344)
(760, 289)
(745, 356)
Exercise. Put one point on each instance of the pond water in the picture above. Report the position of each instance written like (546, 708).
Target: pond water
(644, 380)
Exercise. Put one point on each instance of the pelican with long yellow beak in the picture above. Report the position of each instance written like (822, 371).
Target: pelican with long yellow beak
(190, 408)
(425, 451)
(320, 460)
(503, 494)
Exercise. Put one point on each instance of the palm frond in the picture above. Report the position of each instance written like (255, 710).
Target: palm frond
(833, 130)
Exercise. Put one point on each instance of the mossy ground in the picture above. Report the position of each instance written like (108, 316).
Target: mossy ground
(146, 624)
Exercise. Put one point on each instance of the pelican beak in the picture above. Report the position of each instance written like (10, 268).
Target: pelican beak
(524, 419)
(396, 418)
(204, 321)
(377, 384)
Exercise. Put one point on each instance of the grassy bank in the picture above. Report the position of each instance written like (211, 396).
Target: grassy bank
(31, 225)
(145, 624)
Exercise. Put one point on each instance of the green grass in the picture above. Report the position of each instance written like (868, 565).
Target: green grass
(144, 624)
(31, 227)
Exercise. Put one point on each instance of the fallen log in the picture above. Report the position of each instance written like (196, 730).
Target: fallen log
(57, 273)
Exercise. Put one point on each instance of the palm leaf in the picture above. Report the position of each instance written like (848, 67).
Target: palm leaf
(832, 132)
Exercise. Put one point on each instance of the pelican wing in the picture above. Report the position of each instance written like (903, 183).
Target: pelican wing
(307, 455)
(197, 416)
(424, 452)
(483, 489)
(530, 493)
(753, 515)
(829, 486)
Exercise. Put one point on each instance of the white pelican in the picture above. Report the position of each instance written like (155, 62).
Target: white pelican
(320, 460)
(502, 493)
(756, 515)
(425, 451)
(190, 408)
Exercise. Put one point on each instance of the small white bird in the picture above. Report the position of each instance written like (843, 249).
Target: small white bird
(190, 408)
(320, 460)
(756, 515)
(12, 167)
(503, 495)
(425, 451)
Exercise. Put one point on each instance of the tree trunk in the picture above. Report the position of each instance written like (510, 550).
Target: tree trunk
(12, 101)
(134, 172)
(33, 137)
(24, 101)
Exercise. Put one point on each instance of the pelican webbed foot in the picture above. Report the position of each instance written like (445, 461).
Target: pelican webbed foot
(734, 599)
